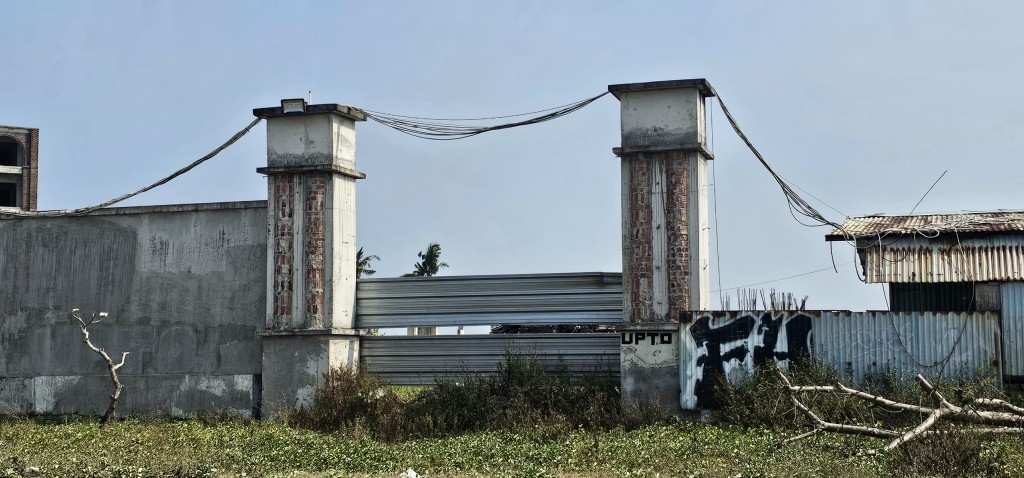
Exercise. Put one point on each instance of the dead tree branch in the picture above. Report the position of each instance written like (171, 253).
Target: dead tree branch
(111, 366)
(1010, 420)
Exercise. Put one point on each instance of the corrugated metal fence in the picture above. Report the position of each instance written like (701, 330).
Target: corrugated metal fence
(1013, 329)
(535, 299)
(857, 344)
(584, 298)
(420, 360)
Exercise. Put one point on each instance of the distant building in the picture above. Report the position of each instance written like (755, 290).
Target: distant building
(19, 168)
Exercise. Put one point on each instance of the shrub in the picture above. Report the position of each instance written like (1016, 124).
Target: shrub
(524, 395)
(349, 397)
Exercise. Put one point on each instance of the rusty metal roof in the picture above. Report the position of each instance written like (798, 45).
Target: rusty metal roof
(929, 225)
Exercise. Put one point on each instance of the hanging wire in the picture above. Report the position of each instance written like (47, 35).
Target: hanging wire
(86, 210)
(784, 278)
(714, 194)
(445, 130)
(797, 204)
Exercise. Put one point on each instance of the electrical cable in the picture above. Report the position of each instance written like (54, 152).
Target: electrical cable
(86, 210)
(446, 130)
(797, 204)
(714, 194)
(783, 278)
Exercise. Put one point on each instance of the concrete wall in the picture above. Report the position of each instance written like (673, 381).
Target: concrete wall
(185, 287)
(649, 364)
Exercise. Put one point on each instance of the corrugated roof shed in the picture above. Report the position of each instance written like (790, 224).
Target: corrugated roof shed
(929, 225)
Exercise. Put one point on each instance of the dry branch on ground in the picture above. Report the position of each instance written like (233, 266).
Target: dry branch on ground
(982, 415)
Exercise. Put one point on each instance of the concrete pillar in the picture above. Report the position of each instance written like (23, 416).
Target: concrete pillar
(665, 260)
(311, 247)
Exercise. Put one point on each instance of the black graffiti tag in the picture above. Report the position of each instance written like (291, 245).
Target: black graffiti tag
(741, 332)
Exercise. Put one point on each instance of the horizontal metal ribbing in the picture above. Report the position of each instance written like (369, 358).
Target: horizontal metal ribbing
(536, 299)
(423, 359)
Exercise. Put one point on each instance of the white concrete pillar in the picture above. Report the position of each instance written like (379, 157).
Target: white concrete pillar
(311, 247)
(665, 246)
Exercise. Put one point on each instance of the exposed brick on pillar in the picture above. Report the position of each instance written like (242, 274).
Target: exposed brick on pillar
(638, 244)
(676, 204)
(316, 193)
(283, 224)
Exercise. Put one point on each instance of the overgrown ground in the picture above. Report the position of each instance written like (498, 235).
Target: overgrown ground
(525, 421)
(192, 448)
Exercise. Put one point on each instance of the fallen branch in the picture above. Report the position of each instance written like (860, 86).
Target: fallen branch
(111, 366)
(1010, 420)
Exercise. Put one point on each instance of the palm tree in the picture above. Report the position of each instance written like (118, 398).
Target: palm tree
(430, 262)
(363, 264)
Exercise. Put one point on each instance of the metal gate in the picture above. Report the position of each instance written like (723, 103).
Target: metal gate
(593, 300)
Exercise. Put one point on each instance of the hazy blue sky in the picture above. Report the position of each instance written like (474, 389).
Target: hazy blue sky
(862, 103)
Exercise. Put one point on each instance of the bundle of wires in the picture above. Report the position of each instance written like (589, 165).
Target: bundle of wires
(797, 204)
(443, 129)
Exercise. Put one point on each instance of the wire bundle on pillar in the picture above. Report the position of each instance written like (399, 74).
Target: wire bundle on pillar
(444, 129)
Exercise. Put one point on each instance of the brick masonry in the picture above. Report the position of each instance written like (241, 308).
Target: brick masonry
(316, 192)
(639, 229)
(28, 139)
(283, 208)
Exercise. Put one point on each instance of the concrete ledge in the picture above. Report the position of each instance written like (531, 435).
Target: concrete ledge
(341, 110)
(657, 326)
(210, 206)
(700, 83)
(318, 168)
(655, 149)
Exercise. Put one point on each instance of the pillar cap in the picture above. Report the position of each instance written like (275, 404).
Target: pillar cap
(326, 108)
(700, 83)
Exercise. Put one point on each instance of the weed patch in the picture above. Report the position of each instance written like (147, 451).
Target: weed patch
(525, 395)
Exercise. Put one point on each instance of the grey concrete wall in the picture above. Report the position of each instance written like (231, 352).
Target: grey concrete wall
(185, 287)
(649, 368)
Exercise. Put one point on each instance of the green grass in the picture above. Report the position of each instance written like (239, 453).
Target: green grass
(191, 448)
(525, 421)
(194, 448)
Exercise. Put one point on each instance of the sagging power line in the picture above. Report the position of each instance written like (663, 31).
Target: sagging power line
(445, 129)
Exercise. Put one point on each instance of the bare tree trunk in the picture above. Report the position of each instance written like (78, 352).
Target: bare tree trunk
(991, 421)
(111, 366)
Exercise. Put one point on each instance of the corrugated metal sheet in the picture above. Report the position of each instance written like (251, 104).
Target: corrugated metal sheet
(992, 258)
(931, 224)
(1013, 329)
(859, 344)
(585, 298)
(952, 343)
(939, 296)
(419, 360)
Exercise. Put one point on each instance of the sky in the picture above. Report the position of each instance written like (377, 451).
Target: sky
(862, 104)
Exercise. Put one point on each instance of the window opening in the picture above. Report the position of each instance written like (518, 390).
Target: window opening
(8, 195)
(8, 153)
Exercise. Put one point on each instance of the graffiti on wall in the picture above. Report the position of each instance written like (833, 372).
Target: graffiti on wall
(716, 343)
